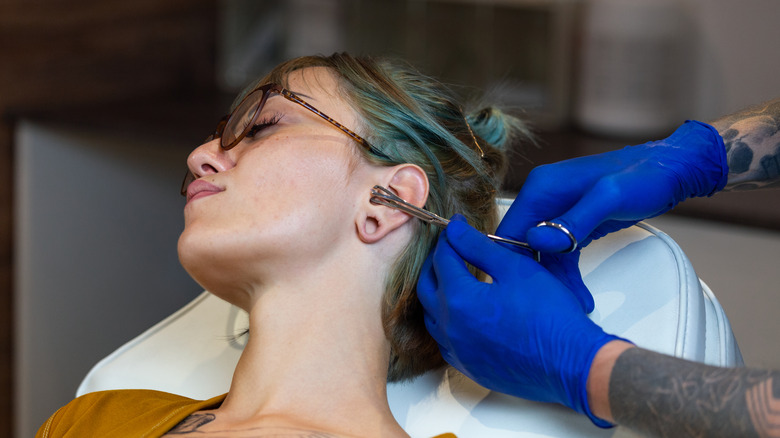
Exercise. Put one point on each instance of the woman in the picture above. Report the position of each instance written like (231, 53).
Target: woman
(279, 222)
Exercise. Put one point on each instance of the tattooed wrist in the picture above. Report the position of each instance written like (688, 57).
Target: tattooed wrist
(664, 396)
(752, 140)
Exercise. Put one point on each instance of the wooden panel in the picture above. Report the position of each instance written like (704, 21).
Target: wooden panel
(78, 51)
(66, 53)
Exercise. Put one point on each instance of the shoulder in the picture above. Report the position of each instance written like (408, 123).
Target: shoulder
(120, 413)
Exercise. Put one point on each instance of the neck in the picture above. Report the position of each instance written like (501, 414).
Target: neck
(316, 356)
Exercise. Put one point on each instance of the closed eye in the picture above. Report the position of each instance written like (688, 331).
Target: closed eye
(262, 124)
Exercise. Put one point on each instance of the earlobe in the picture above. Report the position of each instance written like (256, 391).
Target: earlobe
(367, 229)
(377, 221)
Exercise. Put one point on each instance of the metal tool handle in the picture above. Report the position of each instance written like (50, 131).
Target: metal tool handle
(382, 196)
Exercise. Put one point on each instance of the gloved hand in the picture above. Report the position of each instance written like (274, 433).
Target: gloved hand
(524, 334)
(595, 195)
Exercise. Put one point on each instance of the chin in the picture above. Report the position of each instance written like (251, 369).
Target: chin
(184, 249)
(197, 258)
(215, 269)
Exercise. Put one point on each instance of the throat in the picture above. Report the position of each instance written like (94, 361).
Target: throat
(310, 368)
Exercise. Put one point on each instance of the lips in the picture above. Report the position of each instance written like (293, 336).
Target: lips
(200, 189)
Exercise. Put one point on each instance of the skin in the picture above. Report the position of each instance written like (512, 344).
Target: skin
(752, 139)
(659, 395)
(291, 237)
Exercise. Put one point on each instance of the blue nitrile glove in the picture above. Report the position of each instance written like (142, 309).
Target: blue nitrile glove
(596, 195)
(566, 267)
(524, 334)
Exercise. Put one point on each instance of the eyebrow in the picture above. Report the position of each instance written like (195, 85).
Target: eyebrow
(300, 94)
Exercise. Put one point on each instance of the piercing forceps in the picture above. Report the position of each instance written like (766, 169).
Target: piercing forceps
(382, 196)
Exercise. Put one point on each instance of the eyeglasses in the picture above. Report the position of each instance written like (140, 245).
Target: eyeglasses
(232, 128)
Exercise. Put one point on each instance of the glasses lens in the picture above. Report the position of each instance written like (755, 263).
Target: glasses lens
(240, 120)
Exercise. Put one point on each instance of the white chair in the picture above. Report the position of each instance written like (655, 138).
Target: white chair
(644, 287)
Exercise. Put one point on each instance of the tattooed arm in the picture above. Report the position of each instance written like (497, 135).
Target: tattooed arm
(659, 395)
(752, 139)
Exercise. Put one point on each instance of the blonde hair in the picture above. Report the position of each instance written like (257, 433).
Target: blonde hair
(412, 118)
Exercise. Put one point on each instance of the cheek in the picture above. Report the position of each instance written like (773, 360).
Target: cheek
(294, 185)
(276, 202)
(293, 194)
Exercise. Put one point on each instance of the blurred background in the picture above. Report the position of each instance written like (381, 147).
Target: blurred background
(101, 101)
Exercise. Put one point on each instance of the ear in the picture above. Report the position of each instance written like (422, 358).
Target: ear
(409, 182)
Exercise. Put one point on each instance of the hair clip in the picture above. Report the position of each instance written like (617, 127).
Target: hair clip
(474, 137)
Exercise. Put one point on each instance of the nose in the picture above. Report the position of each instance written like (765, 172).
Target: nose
(209, 158)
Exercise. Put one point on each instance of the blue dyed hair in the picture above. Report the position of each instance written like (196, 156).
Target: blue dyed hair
(412, 118)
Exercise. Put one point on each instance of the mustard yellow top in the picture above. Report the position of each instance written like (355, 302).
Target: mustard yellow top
(136, 413)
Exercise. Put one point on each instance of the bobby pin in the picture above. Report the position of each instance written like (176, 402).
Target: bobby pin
(474, 137)
(382, 196)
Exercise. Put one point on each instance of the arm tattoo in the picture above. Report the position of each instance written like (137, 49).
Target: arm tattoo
(752, 139)
(664, 396)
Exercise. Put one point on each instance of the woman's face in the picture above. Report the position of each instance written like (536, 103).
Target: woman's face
(282, 199)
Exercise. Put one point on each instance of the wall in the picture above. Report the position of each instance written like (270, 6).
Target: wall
(58, 54)
(738, 57)
(98, 217)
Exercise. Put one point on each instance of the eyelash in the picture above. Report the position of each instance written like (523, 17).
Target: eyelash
(263, 124)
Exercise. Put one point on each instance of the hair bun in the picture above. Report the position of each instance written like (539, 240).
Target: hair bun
(498, 128)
